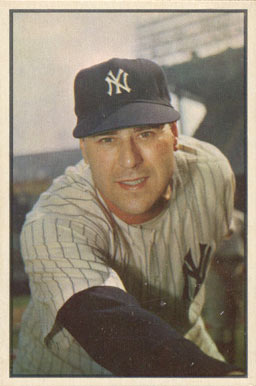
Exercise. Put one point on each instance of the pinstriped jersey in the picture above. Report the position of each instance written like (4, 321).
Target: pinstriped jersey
(70, 242)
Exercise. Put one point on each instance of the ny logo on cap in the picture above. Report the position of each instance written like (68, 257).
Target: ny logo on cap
(111, 79)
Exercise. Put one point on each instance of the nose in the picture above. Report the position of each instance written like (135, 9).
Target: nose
(129, 154)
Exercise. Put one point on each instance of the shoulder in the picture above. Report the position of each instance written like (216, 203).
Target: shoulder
(77, 177)
(199, 150)
(72, 197)
(73, 186)
(194, 155)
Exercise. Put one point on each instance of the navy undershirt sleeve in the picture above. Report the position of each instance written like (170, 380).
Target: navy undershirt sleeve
(130, 341)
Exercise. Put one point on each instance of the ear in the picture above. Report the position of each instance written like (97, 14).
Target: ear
(83, 149)
(174, 129)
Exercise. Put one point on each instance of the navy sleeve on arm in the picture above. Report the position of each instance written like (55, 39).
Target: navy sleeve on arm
(130, 341)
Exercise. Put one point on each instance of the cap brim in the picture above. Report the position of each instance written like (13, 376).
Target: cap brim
(132, 114)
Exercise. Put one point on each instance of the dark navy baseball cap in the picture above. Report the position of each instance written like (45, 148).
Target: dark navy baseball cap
(121, 93)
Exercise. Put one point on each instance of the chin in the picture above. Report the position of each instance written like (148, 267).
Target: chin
(133, 211)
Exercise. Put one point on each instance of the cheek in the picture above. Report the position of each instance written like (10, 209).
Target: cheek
(162, 153)
(163, 148)
(101, 168)
(164, 161)
(98, 160)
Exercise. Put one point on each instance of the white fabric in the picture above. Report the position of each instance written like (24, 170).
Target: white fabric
(71, 242)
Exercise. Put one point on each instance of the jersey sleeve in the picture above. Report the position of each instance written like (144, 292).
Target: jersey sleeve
(214, 183)
(62, 257)
(130, 341)
(221, 182)
(229, 196)
(226, 187)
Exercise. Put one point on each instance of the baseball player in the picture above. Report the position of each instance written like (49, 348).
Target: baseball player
(118, 248)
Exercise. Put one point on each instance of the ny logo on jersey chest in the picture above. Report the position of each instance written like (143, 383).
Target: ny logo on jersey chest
(120, 84)
(194, 276)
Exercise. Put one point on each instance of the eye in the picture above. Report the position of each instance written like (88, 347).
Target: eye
(146, 134)
(106, 140)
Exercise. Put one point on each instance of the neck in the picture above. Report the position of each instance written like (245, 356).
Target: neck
(135, 219)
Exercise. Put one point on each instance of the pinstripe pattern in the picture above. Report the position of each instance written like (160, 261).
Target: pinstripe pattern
(71, 242)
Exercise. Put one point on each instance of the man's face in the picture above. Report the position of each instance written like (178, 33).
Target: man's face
(132, 169)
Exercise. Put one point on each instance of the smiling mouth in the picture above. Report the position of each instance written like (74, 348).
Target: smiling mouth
(133, 182)
(137, 183)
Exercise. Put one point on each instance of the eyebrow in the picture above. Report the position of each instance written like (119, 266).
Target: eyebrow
(136, 129)
(147, 127)
(111, 132)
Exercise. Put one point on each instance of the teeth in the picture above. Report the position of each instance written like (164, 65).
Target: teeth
(136, 182)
